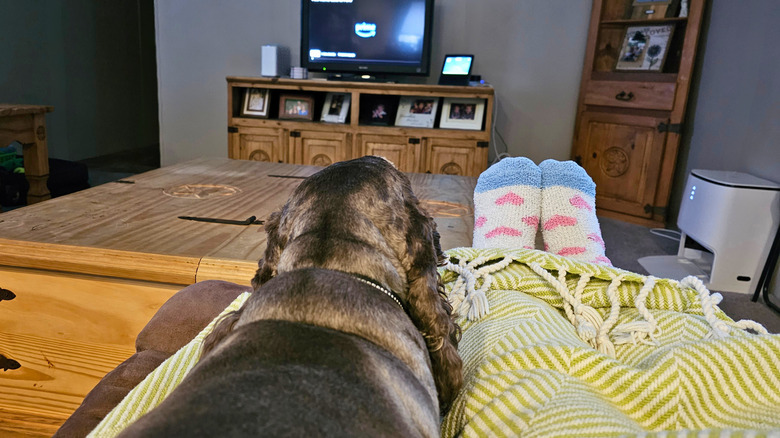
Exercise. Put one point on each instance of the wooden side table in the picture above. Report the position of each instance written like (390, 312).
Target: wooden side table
(27, 125)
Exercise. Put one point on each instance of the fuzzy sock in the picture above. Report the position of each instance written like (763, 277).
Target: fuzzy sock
(569, 224)
(506, 204)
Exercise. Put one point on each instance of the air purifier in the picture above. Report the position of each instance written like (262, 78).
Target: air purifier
(275, 61)
(728, 221)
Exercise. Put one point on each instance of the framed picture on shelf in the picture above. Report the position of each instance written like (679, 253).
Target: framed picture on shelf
(418, 112)
(644, 48)
(296, 107)
(378, 109)
(336, 107)
(464, 113)
(255, 103)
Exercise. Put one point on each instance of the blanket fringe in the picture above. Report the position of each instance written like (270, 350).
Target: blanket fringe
(464, 289)
(639, 331)
(601, 334)
(720, 328)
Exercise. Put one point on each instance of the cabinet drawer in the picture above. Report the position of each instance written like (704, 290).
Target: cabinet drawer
(647, 95)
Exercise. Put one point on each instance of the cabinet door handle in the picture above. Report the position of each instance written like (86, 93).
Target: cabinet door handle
(6, 363)
(625, 97)
(6, 294)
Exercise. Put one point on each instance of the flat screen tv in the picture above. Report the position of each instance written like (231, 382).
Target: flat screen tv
(367, 37)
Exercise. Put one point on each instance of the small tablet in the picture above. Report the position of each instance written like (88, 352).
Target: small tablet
(456, 70)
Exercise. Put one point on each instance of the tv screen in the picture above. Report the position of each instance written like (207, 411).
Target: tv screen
(372, 37)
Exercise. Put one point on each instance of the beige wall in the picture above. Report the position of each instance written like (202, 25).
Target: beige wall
(531, 51)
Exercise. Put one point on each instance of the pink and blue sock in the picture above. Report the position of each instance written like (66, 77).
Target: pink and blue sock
(506, 204)
(568, 215)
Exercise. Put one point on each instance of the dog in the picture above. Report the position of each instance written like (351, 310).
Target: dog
(347, 332)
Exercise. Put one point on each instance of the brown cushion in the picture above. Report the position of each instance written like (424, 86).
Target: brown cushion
(176, 323)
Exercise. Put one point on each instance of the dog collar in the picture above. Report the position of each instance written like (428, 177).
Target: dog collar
(382, 289)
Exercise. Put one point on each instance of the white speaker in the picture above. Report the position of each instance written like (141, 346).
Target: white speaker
(276, 61)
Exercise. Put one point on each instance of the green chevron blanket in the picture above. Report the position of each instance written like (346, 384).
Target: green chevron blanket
(553, 347)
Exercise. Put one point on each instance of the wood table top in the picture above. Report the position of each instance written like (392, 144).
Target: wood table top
(12, 109)
(131, 228)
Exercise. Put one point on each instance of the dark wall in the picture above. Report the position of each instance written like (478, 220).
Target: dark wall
(94, 61)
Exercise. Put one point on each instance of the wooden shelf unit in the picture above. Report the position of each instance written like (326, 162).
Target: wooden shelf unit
(629, 146)
(412, 149)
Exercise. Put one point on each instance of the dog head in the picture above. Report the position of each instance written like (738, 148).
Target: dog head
(361, 217)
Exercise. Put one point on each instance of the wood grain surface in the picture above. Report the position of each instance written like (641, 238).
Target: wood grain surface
(88, 270)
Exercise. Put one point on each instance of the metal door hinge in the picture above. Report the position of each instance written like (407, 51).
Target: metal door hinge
(670, 127)
(232, 129)
(295, 134)
(414, 141)
(483, 144)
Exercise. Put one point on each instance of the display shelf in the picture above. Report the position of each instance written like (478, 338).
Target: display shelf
(628, 124)
(302, 141)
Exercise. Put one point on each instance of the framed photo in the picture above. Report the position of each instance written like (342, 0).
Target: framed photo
(644, 48)
(296, 107)
(336, 107)
(255, 102)
(459, 113)
(378, 109)
(417, 112)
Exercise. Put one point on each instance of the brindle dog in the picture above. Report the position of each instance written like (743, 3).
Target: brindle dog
(348, 332)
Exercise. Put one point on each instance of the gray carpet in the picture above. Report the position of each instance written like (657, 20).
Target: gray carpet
(626, 243)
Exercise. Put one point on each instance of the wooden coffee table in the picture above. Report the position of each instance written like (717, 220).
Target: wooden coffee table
(88, 270)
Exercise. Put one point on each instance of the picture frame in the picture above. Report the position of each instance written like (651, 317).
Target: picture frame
(296, 107)
(256, 103)
(336, 107)
(376, 109)
(645, 48)
(417, 111)
(462, 113)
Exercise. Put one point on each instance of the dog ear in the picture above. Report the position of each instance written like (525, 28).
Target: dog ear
(266, 267)
(429, 308)
(221, 330)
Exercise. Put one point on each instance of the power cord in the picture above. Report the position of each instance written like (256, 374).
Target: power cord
(496, 134)
(667, 234)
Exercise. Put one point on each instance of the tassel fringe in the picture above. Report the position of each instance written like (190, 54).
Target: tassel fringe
(601, 334)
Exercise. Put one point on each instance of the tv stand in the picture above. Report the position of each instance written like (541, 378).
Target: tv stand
(299, 141)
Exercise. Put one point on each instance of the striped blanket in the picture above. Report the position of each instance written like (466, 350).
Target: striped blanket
(553, 347)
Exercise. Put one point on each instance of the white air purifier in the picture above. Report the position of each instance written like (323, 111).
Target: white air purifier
(731, 219)
(275, 61)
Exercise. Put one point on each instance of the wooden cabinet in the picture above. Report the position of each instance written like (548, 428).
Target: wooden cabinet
(319, 148)
(619, 147)
(454, 157)
(412, 149)
(405, 152)
(628, 125)
(259, 144)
